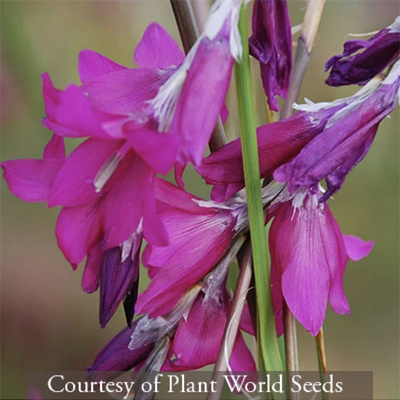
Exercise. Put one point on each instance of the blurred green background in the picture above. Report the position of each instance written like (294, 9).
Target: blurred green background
(47, 322)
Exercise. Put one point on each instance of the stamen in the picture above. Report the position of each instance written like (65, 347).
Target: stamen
(106, 171)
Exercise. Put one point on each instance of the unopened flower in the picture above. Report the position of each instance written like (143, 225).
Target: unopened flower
(308, 259)
(346, 139)
(359, 67)
(271, 45)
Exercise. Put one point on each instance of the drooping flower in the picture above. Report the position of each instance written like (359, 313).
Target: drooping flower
(200, 234)
(346, 139)
(359, 67)
(271, 45)
(308, 259)
(278, 143)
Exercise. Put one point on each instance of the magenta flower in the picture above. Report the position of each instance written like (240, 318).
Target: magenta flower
(200, 232)
(271, 45)
(346, 139)
(34, 394)
(308, 259)
(278, 143)
(355, 67)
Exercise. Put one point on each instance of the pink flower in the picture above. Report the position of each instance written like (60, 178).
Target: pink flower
(200, 233)
(308, 259)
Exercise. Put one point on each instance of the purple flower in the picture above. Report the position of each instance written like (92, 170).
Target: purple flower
(346, 139)
(378, 52)
(278, 143)
(271, 45)
(308, 259)
(200, 233)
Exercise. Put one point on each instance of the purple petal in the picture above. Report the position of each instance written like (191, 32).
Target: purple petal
(271, 45)
(358, 67)
(357, 248)
(202, 97)
(118, 276)
(34, 394)
(92, 64)
(278, 142)
(116, 356)
(338, 149)
(157, 49)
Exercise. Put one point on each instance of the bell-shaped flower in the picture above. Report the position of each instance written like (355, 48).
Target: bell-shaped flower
(309, 255)
(271, 45)
(359, 67)
(346, 139)
(201, 234)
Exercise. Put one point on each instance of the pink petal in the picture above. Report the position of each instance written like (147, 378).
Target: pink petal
(196, 243)
(301, 256)
(92, 64)
(157, 149)
(91, 274)
(125, 92)
(202, 97)
(356, 247)
(157, 49)
(74, 184)
(126, 203)
(198, 339)
(69, 112)
(32, 180)
(78, 229)
(241, 358)
(246, 323)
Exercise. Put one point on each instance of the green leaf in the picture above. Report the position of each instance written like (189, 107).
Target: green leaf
(270, 357)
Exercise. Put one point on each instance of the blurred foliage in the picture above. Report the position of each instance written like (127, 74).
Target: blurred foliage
(47, 322)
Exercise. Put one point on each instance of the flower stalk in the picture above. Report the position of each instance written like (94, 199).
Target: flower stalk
(269, 352)
(305, 45)
(322, 364)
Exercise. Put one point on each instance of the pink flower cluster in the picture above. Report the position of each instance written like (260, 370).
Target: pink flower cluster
(141, 122)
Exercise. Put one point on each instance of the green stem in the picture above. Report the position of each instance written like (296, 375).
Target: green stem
(268, 350)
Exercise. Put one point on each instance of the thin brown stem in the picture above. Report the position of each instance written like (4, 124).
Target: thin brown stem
(305, 45)
(232, 326)
(188, 30)
(320, 342)
(292, 357)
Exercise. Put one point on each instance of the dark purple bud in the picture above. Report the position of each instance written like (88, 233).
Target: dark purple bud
(377, 53)
(116, 356)
(271, 45)
(119, 279)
